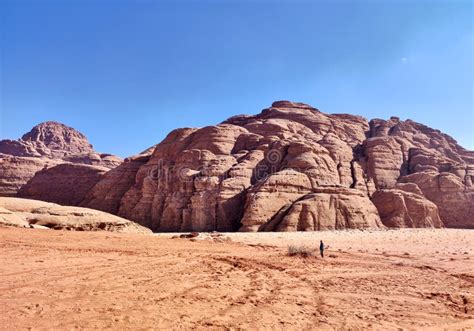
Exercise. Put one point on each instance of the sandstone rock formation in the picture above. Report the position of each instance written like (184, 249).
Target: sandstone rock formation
(455, 199)
(64, 184)
(442, 170)
(15, 171)
(248, 172)
(51, 139)
(38, 214)
(108, 192)
(328, 208)
(46, 145)
(400, 209)
(292, 168)
(289, 168)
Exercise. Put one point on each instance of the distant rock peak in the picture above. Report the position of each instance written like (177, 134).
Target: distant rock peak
(46, 145)
(57, 136)
(291, 104)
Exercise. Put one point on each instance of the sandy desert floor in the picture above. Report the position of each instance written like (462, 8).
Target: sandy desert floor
(410, 279)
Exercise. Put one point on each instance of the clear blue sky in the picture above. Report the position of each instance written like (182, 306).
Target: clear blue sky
(125, 73)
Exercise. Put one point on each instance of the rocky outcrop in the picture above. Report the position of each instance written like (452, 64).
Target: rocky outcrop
(385, 160)
(402, 209)
(15, 171)
(38, 214)
(398, 148)
(51, 139)
(268, 198)
(243, 173)
(64, 184)
(455, 200)
(407, 152)
(107, 193)
(329, 208)
(46, 145)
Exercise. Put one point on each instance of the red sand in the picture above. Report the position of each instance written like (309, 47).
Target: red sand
(55, 279)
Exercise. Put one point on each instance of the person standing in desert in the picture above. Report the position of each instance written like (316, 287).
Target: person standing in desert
(321, 248)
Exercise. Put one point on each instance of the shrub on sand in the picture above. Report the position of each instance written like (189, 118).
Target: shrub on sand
(303, 251)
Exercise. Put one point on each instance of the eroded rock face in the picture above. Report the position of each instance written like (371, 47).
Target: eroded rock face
(385, 160)
(65, 184)
(107, 193)
(398, 148)
(401, 209)
(15, 171)
(38, 214)
(328, 208)
(50, 139)
(242, 173)
(267, 199)
(46, 145)
(454, 199)
(405, 152)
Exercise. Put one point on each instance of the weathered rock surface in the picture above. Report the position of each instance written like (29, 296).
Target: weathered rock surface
(51, 139)
(242, 173)
(15, 171)
(329, 208)
(38, 214)
(108, 192)
(397, 148)
(398, 152)
(46, 145)
(64, 184)
(448, 191)
(267, 199)
(401, 209)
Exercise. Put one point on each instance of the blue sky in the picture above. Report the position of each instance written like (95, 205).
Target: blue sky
(126, 73)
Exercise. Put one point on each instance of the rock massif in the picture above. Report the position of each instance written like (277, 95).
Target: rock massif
(45, 146)
(38, 214)
(292, 167)
(289, 168)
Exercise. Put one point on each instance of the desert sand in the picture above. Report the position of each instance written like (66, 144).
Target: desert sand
(409, 279)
